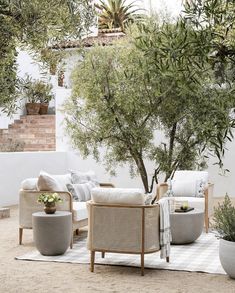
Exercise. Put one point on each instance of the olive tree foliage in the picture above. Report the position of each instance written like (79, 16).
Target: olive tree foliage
(112, 106)
(159, 80)
(216, 19)
(196, 116)
(35, 24)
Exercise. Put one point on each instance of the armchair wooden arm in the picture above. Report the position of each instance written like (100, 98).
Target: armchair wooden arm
(108, 185)
(208, 204)
(161, 190)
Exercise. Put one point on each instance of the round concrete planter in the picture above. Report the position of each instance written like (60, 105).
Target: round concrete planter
(227, 257)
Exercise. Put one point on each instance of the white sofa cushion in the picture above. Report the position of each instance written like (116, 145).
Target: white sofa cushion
(81, 192)
(48, 182)
(129, 196)
(29, 184)
(79, 211)
(194, 202)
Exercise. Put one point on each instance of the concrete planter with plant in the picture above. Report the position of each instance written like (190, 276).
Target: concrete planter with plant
(224, 218)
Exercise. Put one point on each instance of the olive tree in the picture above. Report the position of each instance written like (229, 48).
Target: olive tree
(159, 79)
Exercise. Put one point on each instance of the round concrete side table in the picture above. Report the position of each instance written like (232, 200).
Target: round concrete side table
(52, 232)
(186, 227)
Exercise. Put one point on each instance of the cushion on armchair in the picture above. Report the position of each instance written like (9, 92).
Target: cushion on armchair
(188, 184)
(128, 196)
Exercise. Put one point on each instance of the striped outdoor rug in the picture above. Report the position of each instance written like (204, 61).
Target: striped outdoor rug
(200, 256)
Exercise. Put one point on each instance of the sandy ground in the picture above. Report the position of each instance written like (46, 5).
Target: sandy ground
(31, 276)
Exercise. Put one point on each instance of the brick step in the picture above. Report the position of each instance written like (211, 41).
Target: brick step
(37, 132)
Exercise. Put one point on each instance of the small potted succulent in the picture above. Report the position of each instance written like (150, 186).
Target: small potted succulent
(49, 200)
(224, 224)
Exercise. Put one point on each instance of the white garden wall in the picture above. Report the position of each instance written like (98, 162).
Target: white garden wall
(15, 167)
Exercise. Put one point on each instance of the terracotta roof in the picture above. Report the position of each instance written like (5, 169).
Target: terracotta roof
(104, 38)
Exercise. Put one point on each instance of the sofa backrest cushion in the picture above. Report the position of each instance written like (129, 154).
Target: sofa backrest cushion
(125, 196)
(188, 183)
(78, 177)
(29, 184)
(191, 175)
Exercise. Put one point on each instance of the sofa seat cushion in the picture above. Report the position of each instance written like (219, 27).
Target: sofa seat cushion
(194, 202)
(79, 211)
(126, 196)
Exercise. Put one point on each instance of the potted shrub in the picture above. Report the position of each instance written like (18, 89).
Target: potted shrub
(45, 97)
(224, 223)
(38, 95)
(49, 200)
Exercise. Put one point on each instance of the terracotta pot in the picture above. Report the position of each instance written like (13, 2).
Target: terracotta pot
(50, 208)
(43, 108)
(32, 108)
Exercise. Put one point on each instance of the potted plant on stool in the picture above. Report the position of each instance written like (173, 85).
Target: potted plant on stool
(49, 200)
(224, 218)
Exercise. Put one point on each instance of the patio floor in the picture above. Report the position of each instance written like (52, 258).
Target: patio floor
(25, 276)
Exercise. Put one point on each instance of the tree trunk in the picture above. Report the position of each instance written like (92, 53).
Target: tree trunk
(142, 170)
(170, 152)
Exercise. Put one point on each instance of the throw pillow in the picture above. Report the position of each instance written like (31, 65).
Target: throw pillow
(47, 183)
(81, 191)
(29, 184)
(183, 188)
(200, 188)
(83, 177)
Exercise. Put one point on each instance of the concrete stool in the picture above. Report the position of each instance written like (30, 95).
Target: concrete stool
(52, 232)
(186, 227)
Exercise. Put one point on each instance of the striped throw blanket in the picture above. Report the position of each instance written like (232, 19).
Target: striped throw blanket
(165, 228)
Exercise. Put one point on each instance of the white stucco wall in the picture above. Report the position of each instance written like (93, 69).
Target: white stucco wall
(15, 167)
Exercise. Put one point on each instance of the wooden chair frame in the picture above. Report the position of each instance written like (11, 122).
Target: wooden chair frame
(142, 252)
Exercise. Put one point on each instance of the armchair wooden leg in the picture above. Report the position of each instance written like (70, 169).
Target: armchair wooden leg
(71, 243)
(92, 261)
(20, 235)
(142, 264)
(167, 259)
(102, 254)
(207, 224)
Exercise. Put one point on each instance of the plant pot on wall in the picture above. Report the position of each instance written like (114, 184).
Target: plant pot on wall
(227, 257)
(32, 108)
(43, 108)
